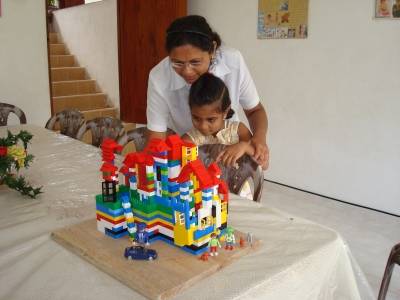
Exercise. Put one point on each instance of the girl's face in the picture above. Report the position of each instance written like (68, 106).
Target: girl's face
(189, 62)
(208, 119)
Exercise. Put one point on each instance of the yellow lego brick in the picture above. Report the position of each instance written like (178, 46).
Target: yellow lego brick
(130, 220)
(117, 219)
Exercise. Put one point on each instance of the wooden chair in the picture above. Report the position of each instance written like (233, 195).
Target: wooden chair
(6, 109)
(69, 121)
(394, 258)
(138, 137)
(247, 169)
(104, 127)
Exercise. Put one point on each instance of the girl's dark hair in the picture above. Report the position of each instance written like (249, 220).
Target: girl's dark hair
(193, 30)
(210, 89)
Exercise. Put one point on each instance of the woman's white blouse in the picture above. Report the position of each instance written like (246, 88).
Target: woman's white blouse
(168, 93)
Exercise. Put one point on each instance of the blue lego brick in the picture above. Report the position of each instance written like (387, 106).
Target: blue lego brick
(114, 213)
(117, 229)
(116, 235)
(164, 201)
(173, 163)
(206, 198)
(200, 233)
(185, 193)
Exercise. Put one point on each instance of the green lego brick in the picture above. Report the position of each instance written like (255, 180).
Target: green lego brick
(110, 205)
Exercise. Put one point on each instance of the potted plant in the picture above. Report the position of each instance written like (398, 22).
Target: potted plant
(13, 157)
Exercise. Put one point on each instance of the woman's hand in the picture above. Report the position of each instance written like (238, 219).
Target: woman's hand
(261, 152)
(232, 153)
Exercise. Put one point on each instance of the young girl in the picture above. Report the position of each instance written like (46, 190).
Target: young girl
(210, 107)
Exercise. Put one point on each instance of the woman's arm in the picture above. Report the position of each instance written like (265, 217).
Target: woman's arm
(259, 125)
(154, 135)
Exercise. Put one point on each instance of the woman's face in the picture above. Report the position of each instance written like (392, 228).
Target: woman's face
(189, 62)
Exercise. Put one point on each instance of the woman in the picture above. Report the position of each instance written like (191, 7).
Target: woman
(193, 50)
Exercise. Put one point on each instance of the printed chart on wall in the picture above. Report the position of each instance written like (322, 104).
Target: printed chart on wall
(282, 19)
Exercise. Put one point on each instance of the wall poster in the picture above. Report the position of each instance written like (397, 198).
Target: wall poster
(387, 9)
(282, 19)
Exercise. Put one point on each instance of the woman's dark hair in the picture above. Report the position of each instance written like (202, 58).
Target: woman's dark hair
(210, 89)
(193, 30)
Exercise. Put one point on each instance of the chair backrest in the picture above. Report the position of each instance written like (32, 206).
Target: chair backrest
(138, 137)
(235, 177)
(69, 121)
(394, 258)
(104, 127)
(5, 110)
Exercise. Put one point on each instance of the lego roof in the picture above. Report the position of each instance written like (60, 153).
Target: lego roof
(174, 140)
(206, 180)
(107, 167)
(138, 157)
(157, 145)
(214, 169)
(111, 144)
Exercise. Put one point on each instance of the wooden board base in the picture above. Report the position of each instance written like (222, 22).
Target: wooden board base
(173, 270)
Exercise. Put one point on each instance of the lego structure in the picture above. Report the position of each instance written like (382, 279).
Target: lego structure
(166, 187)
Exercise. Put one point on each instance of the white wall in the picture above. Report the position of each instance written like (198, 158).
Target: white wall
(24, 75)
(90, 33)
(332, 99)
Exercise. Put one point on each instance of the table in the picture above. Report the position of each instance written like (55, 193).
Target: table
(298, 259)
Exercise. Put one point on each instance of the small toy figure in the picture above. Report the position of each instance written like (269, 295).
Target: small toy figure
(141, 235)
(213, 243)
(242, 242)
(250, 239)
(204, 256)
(229, 238)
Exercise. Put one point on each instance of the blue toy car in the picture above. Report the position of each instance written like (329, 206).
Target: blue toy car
(140, 253)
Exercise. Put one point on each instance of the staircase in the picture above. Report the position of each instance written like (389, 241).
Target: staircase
(71, 86)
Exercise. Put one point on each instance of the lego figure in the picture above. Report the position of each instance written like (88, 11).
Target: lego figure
(213, 244)
(141, 235)
(229, 238)
(250, 239)
(242, 242)
(204, 256)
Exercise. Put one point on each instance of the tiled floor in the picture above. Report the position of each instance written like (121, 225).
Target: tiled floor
(370, 234)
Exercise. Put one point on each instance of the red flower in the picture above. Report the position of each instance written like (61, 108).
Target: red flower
(3, 151)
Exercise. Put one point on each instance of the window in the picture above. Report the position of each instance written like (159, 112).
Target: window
(109, 191)
(182, 219)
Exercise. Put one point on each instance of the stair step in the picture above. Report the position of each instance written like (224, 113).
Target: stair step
(67, 73)
(53, 38)
(73, 87)
(57, 49)
(102, 112)
(57, 61)
(80, 102)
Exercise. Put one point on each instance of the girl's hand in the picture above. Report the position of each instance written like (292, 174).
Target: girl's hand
(232, 153)
(261, 152)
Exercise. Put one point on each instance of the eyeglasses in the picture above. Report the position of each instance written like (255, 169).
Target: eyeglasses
(189, 64)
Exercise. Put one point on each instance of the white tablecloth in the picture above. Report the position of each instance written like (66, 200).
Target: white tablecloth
(298, 259)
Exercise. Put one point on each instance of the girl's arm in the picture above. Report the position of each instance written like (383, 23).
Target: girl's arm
(233, 152)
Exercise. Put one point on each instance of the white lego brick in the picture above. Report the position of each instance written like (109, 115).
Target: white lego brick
(161, 160)
(129, 215)
(126, 205)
